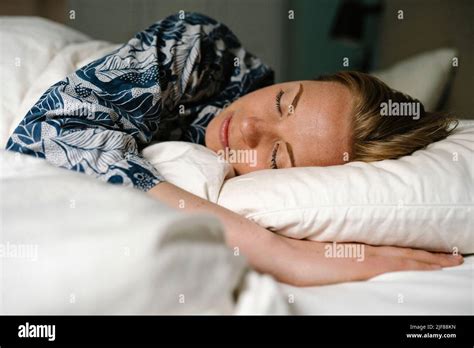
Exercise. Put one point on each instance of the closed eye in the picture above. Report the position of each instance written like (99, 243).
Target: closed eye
(278, 101)
(273, 159)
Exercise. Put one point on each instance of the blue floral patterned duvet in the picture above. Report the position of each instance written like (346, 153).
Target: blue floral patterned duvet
(166, 83)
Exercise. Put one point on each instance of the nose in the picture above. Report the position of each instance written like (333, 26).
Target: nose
(252, 130)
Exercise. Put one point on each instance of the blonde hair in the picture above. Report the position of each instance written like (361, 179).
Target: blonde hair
(377, 137)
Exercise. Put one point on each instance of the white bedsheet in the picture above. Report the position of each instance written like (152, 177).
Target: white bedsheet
(449, 291)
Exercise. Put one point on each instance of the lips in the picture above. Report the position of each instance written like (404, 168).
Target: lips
(224, 131)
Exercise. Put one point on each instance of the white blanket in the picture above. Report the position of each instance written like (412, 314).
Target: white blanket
(72, 244)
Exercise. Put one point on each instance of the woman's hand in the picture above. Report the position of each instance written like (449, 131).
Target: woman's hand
(375, 260)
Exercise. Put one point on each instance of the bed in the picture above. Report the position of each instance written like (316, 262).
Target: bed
(142, 257)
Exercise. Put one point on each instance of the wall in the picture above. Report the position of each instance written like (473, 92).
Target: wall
(427, 25)
(52, 9)
(260, 24)
(298, 49)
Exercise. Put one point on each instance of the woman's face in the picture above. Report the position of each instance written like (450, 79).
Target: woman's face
(292, 124)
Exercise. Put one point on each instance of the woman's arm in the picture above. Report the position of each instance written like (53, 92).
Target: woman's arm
(300, 262)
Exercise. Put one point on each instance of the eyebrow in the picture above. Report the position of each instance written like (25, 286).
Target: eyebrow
(295, 101)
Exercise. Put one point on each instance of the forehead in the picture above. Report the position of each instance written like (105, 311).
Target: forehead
(322, 129)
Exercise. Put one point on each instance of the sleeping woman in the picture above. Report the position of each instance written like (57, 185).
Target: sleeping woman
(188, 78)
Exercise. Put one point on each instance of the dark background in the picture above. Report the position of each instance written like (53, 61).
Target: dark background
(321, 34)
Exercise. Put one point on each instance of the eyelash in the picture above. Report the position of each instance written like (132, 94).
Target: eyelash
(278, 101)
(275, 149)
(274, 153)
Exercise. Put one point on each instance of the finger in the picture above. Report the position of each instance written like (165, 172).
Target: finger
(410, 264)
(376, 265)
(441, 259)
(405, 264)
(449, 260)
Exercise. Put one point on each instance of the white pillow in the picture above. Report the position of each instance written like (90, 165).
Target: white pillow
(192, 167)
(423, 76)
(421, 201)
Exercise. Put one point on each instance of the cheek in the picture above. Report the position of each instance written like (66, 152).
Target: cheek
(247, 162)
(333, 151)
(211, 137)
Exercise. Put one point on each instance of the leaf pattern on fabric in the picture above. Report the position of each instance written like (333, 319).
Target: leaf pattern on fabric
(186, 55)
(97, 150)
(97, 119)
(116, 66)
(50, 100)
